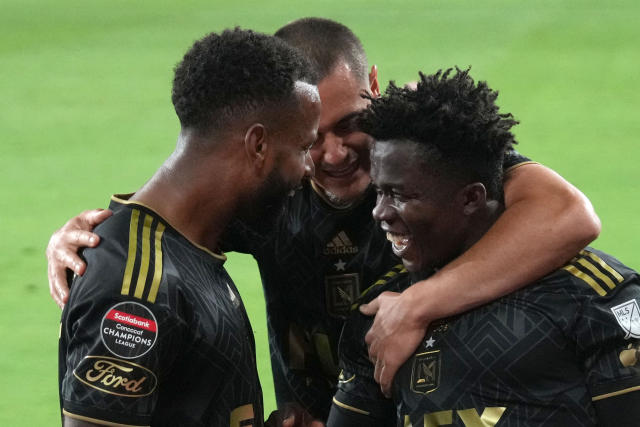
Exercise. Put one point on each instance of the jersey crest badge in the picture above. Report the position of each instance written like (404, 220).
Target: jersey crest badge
(425, 374)
(628, 317)
(341, 292)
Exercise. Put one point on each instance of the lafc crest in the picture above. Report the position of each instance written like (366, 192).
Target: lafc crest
(425, 375)
(341, 291)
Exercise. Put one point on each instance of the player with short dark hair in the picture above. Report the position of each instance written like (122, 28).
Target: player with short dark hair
(561, 351)
(155, 332)
(326, 248)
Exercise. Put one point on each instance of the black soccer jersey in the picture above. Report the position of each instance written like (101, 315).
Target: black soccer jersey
(313, 267)
(562, 352)
(155, 333)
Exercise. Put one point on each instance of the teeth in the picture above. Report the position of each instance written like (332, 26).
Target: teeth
(399, 241)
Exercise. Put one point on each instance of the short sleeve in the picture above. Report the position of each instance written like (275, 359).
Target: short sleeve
(115, 349)
(358, 400)
(608, 334)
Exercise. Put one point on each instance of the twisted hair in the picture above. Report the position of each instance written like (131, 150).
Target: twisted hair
(455, 120)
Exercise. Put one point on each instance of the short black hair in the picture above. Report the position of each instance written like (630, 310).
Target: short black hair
(229, 75)
(456, 120)
(326, 43)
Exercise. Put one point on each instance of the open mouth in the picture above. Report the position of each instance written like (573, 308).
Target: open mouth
(399, 242)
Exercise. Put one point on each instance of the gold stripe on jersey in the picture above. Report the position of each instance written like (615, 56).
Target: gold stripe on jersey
(615, 393)
(594, 271)
(349, 407)
(395, 270)
(131, 256)
(95, 420)
(157, 272)
(603, 264)
(586, 278)
(145, 258)
(592, 268)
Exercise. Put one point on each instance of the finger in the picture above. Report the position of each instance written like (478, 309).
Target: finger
(387, 373)
(377, 370)
(372, 348)
(95, 216)
(76, 238)
(371, 308)
(57, 286)
(68, 259)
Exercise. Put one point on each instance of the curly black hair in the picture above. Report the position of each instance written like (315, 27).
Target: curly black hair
(325, 43)
(452, 116)
(229, 75)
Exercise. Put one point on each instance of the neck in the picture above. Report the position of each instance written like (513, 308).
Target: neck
(181, 192)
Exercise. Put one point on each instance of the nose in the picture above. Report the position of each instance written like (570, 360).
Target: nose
(334, 150)
(309, 167)
(382, 211)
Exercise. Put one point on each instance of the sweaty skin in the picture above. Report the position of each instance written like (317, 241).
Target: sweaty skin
(546, 222)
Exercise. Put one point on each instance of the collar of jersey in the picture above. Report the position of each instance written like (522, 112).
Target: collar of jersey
(124, 199)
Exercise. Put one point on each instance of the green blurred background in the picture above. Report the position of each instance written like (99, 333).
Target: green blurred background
(85, 112)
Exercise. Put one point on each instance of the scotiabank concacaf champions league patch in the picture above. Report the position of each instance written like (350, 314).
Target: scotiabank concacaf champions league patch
(129, 330)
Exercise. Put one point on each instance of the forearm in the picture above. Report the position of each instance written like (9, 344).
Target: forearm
(537, 233)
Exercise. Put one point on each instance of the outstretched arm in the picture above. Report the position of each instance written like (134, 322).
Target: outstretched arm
(62, 251)
(546, 222)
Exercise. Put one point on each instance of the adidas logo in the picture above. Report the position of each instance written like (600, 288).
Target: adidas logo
(339, 245)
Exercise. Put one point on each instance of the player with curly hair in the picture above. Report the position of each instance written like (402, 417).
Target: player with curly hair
(155, 332)
(325, 249)
(549, 354)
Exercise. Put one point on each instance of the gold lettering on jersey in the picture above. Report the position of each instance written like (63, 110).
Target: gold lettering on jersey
(115, 376)
(490, 416)
(469, 417)
(425, 375)
(241, 416)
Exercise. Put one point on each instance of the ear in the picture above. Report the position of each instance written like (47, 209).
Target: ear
(255, 144)
(374, 86)
(473, 197)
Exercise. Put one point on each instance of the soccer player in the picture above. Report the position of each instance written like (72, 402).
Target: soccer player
(327, 248)
(155, 332)
(563, 351)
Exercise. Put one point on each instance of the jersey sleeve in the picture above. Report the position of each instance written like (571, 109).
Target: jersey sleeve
(115, 349)
(358, 400)
(608, 335)
(513, 159)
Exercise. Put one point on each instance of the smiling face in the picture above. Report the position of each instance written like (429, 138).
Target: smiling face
(417, 208)
(341, 153)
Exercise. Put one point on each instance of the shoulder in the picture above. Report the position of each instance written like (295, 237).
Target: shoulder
(595, 273)
(395, 280)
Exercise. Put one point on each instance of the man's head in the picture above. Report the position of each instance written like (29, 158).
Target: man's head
(340, 155)
(437, 165)
(254, 97)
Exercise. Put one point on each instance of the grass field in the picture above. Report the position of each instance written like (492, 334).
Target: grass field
(85, 112)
